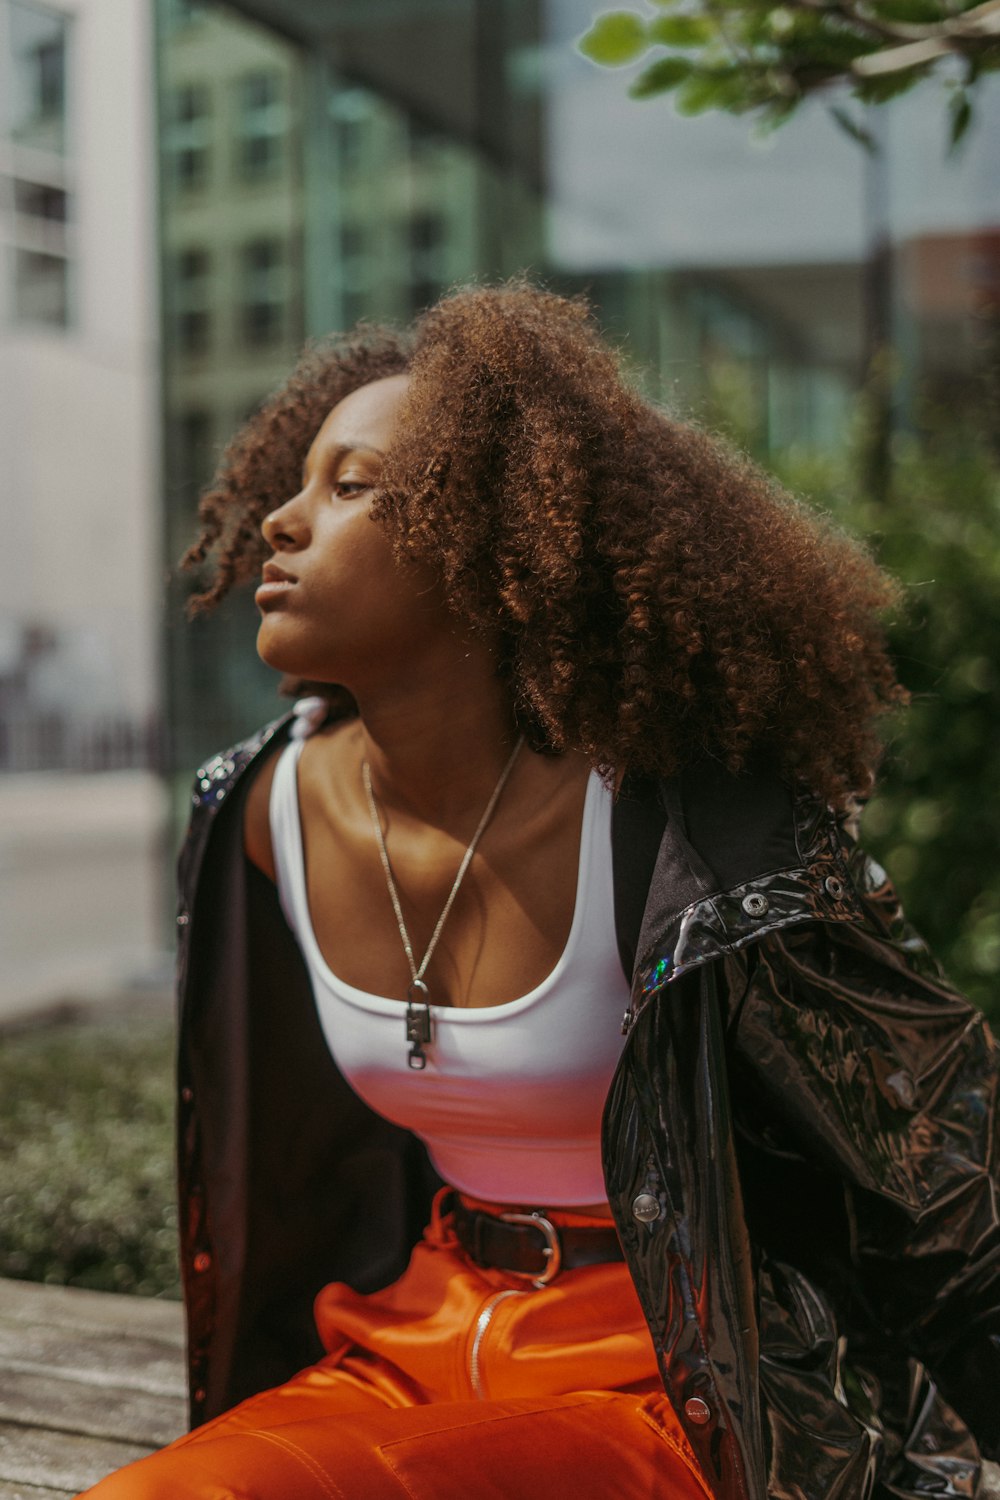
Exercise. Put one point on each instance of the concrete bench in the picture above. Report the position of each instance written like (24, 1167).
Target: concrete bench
(88, 1381)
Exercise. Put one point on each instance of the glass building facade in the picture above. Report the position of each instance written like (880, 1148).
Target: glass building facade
(36, 187)
(327, 160)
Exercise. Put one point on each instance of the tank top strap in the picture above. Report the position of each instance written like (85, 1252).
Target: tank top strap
(286, 836)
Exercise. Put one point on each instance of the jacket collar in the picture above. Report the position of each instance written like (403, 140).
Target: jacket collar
(740, 857)
(216, 778)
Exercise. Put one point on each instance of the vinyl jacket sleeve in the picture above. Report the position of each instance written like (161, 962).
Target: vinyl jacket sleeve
(851, 1053)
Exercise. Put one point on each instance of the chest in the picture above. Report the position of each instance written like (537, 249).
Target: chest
(510, 916)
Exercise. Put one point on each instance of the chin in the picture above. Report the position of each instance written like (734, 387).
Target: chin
(277, 651)
(294, 657)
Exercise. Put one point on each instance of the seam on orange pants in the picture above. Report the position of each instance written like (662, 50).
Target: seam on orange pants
(485, 1418)
(482, 1420)
(306, 1460)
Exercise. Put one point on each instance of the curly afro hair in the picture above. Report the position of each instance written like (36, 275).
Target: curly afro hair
(655, 597)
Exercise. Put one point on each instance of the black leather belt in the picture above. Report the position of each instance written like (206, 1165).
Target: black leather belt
(530, 1244)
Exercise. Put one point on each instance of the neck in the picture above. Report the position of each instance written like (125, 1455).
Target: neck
(437, 743)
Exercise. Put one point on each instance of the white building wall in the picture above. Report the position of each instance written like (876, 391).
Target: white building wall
(78, 415)
(82, 865)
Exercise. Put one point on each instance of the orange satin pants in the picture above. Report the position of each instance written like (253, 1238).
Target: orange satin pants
(454, 1380)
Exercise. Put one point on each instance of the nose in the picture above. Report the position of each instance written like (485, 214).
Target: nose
(286, 528)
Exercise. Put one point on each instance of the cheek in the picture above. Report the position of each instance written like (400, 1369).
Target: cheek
(354, 548)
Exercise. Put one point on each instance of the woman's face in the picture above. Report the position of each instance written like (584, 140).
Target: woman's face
(335, 604)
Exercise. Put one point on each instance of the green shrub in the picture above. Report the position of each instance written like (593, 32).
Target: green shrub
(935, 820)
(86, 1155)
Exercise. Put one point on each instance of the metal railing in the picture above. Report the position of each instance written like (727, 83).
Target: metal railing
(57, 742)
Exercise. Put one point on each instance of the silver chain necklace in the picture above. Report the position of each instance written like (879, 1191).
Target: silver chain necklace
(418, 1010)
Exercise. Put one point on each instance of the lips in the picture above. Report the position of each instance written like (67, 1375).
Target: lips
(275, 585)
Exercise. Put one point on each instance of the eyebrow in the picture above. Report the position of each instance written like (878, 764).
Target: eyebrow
(338, 451)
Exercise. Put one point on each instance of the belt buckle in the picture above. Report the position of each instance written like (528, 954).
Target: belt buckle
(552, 1250)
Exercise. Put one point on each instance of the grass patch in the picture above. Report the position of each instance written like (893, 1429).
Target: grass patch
(87, 1156)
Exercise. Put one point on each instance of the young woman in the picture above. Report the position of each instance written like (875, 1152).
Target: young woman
(565, 1106)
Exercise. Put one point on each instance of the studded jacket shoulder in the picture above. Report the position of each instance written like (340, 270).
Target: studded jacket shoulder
(800, 1144)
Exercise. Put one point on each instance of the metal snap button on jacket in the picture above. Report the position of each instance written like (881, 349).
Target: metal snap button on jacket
(645, 1208)
(698, 1411)
(834, 887)
(902, 1085)
(754, 904)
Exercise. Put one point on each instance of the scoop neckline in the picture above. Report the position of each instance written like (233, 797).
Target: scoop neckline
(386, 1004)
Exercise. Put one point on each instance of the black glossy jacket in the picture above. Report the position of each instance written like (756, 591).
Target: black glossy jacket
(809, 1105)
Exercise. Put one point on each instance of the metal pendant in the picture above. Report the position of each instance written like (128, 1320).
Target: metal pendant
(418, 1023)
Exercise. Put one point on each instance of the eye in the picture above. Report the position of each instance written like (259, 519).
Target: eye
(347, 489)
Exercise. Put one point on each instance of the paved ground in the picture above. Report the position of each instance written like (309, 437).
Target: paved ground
(89, 1381)
(85, 876)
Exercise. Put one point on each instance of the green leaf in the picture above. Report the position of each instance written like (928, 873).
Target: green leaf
(752, 28)
(853, 128)
(681, 31)
(715, 88)
(774, 114)
(988, 61)
(616, 38)
(960, 109)
(913, 12)
(834, 44)
(881, 88)
(660, 76)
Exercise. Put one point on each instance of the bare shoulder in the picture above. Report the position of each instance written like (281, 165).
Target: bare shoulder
(256, 819)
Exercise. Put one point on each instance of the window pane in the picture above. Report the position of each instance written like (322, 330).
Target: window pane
(261, 124)
(38, 42)
(187, 137)
(351, 113)
(263, 284)
(177, 14)
(39, 200)
(41, 288)
(192, 299)
(258, 90)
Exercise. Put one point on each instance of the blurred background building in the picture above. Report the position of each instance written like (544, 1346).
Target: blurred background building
(80, 561)
(326, 162)
(319, 161)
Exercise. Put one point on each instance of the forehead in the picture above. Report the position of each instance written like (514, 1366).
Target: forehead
(367, 417)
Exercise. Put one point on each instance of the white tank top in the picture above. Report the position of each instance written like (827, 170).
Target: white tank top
(510, 1102)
